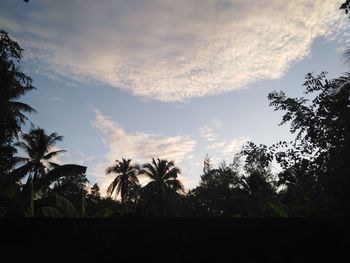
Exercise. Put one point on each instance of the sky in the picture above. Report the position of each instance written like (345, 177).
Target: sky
(169, 79)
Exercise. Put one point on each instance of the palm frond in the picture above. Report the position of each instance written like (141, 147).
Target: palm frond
(19, 106)
(176, 185)
(61, 171)
(25, 147)
(112, 186)
(112, 169)
(19, 160)
(169, 165)
(150, 171)
(22, 171)
(53, 165)
(53, 138)
(147, 173)
(52, 154)
(172, 173)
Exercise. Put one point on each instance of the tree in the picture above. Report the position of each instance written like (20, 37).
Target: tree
(73, 187)
(95, 192)
(14, 84)
(319, 156)
(259, 182)
(37, 145)
(217, 193)
(229, 191)
(159, 195)
(125, 181)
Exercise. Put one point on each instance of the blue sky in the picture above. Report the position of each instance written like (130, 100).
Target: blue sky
(174, 79)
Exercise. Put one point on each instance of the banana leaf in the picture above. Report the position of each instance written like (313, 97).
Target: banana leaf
(66, 207)
(61, 171)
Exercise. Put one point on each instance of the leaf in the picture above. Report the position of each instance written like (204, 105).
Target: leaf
(66, 207)
(278, 208)
(51, 212)
(61, 171)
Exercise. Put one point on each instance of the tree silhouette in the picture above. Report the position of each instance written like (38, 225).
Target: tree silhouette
(37, 145)
(125, 181)
(73, 187)
(14, 84)
(319, 157)
(95, 192)
(159, 195)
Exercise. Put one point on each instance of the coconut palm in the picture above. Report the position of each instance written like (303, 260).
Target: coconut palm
(161, 191)
(126, 179)
(13, 84)
(37, 145)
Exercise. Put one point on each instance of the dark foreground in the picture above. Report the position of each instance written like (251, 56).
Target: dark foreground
(174, 240)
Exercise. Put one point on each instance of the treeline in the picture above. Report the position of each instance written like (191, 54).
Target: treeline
(314, 179)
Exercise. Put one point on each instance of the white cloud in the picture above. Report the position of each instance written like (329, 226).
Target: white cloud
(209, 130)
(140, 147)
(173, 50)
(228, 147)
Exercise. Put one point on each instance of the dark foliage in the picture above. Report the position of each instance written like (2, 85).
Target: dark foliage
(13, 84)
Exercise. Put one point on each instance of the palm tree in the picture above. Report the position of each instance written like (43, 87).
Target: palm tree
(126, 179)
(37, 145)
(41, 171)
(164, 186)
(14, 84)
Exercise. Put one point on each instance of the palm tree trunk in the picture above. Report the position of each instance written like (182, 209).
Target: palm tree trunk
(31, 200)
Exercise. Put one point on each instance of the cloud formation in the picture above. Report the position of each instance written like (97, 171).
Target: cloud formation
(173, 50)
(140, 147)
(228, 147)
(209, 130)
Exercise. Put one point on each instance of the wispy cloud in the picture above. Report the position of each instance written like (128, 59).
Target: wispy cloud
(173, 50)
(228, 147)
(209, 130)
(139, 146)
(224, 146)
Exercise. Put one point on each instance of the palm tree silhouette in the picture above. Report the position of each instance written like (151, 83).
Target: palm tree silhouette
(164, 186)
(14, 84)
(37, 145)
(126, 179)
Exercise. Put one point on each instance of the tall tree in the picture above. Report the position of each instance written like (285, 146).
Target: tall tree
(319, 156)
(160, 193)
(125, 181)
(37, 145)
(13, 84)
